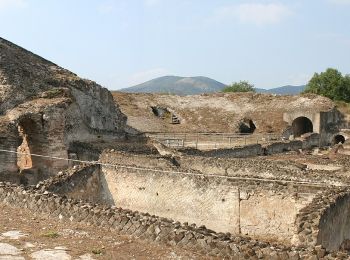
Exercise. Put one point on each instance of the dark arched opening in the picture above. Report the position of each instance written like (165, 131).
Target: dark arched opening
(33, 142)
(302, 125)
(338, 139)
(246, 126)
(161, 112)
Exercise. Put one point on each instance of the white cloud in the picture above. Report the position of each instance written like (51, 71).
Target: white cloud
(143, 76)
(6, 4)
(106, 7)
(254, 13)
(299, 79)
(340, 2)
(151, 2)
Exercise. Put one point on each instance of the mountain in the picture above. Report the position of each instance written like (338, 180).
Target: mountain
(177, 85)
(285, 90)
(198, 85)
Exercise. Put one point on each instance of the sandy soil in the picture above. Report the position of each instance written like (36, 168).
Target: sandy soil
(39, 235)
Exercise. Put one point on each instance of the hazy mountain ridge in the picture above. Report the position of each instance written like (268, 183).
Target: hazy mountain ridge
(285, 90)
(177, 85)
(198, 85)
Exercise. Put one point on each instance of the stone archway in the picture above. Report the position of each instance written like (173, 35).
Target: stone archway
(246, 126)
(34, 141)
(24, 158)
(301, 125)
(338, 139)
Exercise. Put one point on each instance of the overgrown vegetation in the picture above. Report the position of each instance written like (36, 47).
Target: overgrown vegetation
(242, 86)
(343, 107)
(331, 84)
(96, 251)
(51, 234)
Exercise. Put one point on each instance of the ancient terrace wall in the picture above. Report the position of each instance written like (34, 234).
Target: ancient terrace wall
(44, 108)
(153, 228)
(325, 221)
(254, 206)
(230, 113)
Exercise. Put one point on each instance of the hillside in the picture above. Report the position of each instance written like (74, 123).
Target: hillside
(216, 112)
(285, 90)
(198, 85)
(177, 85)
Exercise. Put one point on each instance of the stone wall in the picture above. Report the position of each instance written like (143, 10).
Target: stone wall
(325, 123)
(254, 207)
(329, 125)
(153, 228)
(271, 216)
(325, 221)
(9, 140)
(80, 182)
(256, 149)
(54, 108)
(280, 147)
(238, 152)
(184, 198)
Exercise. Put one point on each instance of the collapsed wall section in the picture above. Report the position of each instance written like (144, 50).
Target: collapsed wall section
(334, 228)
(325, 221)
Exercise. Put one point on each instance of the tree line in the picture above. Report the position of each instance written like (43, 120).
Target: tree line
(330, 83)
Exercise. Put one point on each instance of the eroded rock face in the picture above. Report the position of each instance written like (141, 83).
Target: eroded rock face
(45, 107)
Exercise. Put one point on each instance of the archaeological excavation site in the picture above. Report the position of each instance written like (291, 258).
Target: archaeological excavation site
(211, 176)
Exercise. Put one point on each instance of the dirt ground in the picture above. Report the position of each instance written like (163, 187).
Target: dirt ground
(38, 237)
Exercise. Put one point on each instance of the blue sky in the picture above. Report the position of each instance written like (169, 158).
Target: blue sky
(119, 43)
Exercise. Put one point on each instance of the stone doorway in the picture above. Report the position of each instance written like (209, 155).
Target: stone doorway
(302, 125)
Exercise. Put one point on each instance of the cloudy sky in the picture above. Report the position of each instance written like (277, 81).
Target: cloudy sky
(119, 43)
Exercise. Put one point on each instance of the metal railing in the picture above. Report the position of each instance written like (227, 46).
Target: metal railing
(212, 140)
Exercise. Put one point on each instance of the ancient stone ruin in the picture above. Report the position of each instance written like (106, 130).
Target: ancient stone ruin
(242, 176)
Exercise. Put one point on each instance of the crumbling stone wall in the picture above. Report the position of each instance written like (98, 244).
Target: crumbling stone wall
(80, 182)
(238, 152)
(9, 140)
(271, 215)
(184, 198)
(54, 108)
(256, 207)
(257, 149)
(325, 221)
(325, 122)
(153, 228)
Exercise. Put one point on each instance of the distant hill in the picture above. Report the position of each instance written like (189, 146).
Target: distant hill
(198, 85)
(177, 85)
(285, 90)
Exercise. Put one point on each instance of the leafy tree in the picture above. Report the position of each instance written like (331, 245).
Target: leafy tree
(331, 84)
(242, 86)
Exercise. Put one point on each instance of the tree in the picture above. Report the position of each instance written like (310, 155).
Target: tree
(331, 84)
(242, 86)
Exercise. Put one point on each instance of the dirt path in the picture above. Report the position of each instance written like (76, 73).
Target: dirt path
(26, 236)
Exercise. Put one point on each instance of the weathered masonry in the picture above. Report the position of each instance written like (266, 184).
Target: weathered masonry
(258, 209)
(324, 123)
(43, 110)
(291, 212)
(223, 195)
